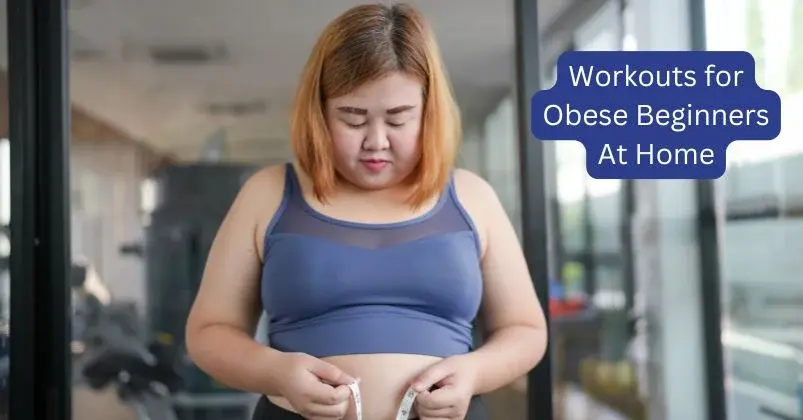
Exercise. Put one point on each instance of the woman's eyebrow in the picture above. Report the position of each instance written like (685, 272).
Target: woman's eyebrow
(400, 109)
(352, 110)
(363, 111)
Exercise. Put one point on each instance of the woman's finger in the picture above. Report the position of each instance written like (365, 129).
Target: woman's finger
(326, 412)
(439, 398)
(439, 413)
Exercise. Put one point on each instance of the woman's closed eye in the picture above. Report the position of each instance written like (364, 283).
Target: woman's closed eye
(353, 124)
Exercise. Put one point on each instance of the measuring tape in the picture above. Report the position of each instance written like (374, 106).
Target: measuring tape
(404, 408)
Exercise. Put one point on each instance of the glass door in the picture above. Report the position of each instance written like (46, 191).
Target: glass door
(173, 104)
(34, 228)
(762, 291)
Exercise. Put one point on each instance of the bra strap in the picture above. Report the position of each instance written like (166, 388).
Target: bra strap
(293, 185)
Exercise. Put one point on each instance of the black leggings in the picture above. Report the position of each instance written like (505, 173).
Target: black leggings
(266, 410)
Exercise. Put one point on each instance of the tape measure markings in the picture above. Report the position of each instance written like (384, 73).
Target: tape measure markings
(406, 404)
(355, 392)
(405, 407)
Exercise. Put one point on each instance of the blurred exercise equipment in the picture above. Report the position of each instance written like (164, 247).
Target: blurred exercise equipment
(185, 205)
(109, 350)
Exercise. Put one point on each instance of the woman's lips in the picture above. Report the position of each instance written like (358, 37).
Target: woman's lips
(374, 165)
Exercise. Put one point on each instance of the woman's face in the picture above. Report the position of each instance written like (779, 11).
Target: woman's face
(375, 131)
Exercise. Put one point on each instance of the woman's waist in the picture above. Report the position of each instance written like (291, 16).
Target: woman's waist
(383, 380)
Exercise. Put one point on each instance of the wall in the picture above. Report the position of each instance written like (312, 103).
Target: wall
(471, 150)
(107, 167)
(105, 192)
(491, 150)
(500, 157)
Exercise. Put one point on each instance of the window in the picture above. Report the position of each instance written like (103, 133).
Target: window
(762, 306)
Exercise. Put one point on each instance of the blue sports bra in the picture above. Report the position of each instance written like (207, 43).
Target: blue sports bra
(333, 287)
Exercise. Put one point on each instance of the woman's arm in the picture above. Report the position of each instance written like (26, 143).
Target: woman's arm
(512, 318)
(222, 321)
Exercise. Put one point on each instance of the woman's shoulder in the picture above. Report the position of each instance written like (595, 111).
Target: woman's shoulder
(477, 197)
(472, 188)
(262, 196)
(264, 190)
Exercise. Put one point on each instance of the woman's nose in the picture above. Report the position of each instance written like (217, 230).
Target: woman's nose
(376, 138)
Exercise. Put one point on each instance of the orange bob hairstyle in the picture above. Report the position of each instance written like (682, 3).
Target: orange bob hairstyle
(362, 45)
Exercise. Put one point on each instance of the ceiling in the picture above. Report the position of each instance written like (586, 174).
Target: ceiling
(176, 73)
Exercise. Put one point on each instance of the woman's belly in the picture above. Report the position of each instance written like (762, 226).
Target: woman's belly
(383, 380)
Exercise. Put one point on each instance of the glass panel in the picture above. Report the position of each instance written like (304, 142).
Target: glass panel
(5, 278)
(594, 377)
(172, 110)
(762, 306)
(5, 216)
(498, 164)
(174, 104)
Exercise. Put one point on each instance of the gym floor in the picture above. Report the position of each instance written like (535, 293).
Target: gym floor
(89, 404)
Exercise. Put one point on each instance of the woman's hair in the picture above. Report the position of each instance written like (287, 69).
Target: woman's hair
(362, 45)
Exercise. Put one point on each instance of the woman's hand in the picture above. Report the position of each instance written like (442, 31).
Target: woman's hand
(454, 381)
(317, 390)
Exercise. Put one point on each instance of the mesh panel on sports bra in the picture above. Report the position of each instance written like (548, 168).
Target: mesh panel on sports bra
(299, 218)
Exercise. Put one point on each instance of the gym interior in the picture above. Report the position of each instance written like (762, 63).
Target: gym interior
(668, 300)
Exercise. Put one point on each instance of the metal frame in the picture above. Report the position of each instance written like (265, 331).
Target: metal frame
(534, 193)
(590, 259)
(40, 238)
(708, 248)
(710, 291)
(628, 263)
(628, 206)
(536, 218)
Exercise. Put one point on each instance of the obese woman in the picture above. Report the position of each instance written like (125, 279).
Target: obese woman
(370, 253)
